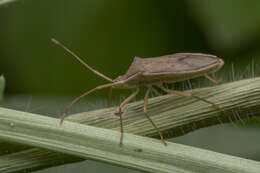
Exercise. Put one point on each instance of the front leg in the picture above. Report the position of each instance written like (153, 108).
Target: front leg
(128, 99)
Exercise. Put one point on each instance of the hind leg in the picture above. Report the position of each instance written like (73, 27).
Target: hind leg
(186, 94)
(213, 80)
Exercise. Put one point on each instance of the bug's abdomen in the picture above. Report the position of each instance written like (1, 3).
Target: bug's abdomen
(169, 69)
(154, 78)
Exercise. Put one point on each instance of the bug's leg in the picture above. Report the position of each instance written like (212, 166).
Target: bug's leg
(185, 94)
(128, 99)
(213, 80)
(145, 113)
(109, 97)
(81, 96)
(155, 91)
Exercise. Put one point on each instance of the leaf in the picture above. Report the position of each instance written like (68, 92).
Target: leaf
(88, 142)
(174, 115)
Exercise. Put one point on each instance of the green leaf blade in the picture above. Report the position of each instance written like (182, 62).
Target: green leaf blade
(141, 153)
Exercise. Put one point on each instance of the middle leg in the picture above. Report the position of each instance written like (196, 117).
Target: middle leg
(145, 113)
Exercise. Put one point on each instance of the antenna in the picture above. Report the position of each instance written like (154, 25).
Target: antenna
(80, 60)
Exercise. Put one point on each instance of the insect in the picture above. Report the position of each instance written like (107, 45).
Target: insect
(152, 72)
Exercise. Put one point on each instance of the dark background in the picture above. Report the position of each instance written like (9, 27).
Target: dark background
(42, 78)
(108, 34)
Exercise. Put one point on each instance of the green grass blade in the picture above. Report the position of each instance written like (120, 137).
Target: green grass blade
(174, 115)
(141, 153)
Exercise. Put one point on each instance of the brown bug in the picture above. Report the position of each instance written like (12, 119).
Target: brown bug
(154, 72)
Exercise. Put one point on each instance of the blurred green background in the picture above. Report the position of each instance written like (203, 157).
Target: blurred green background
(42, 78)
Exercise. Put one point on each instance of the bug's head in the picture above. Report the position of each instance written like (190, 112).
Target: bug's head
(120, 82)
(119, 78)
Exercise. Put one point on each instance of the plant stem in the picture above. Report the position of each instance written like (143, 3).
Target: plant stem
(137, 152)
(174, 115)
